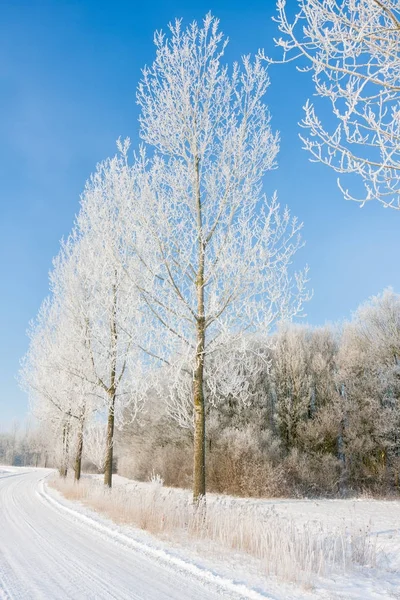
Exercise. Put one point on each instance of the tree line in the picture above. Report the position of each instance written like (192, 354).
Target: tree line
(174, 293)
(322, 416)
(318, 414)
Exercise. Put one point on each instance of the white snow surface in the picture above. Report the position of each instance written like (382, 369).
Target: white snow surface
(52, 548)
(381, 517)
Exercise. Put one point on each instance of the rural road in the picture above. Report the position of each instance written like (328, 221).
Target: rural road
(47, 553)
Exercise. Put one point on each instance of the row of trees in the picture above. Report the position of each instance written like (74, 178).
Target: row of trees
(322, 417)
(320, 414)
(26, 444)
(39, 444)
(176, 262)
(178, 268)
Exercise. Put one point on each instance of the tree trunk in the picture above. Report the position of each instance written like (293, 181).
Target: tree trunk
(199, 441)
(199, 445)
(108, 465)
(79, 449)
(65, 457)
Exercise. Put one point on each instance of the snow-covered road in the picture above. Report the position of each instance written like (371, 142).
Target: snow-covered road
(47, 553)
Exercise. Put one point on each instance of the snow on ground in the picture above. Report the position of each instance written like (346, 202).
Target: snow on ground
(380, 518)
(53, 548)
(52, 551)
(203, 558)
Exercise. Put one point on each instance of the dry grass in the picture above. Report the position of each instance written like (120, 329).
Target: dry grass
(283, 548)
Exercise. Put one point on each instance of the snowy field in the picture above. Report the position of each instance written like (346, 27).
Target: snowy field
(53, 548)
(365, 532)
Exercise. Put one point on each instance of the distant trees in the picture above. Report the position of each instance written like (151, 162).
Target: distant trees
(303, 378)
(9, 444)
(323, 417)
(28, 444)
(352, 49)
(370, 373)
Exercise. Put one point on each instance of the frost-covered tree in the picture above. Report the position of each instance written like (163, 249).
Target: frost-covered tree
(378, 325)
(9, 444)
(71, 290)
(215, 254)
(302, 376)
(369, 371)
(291, 376)
(107, 303)
(352, 49)
(55, 372)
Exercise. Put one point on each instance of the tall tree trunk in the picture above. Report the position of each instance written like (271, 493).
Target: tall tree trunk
(112, 391)
(199, 441)
(199, 446)
(65, 456)
(108, 465)
(79, 449)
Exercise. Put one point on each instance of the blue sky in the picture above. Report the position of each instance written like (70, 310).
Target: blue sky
(68, 74)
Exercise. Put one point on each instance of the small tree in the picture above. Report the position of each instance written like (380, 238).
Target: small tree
(215, 255)
(112, 320)
(55, 373)
(352, 49)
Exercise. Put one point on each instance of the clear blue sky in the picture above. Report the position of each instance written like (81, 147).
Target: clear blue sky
(68, 74)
